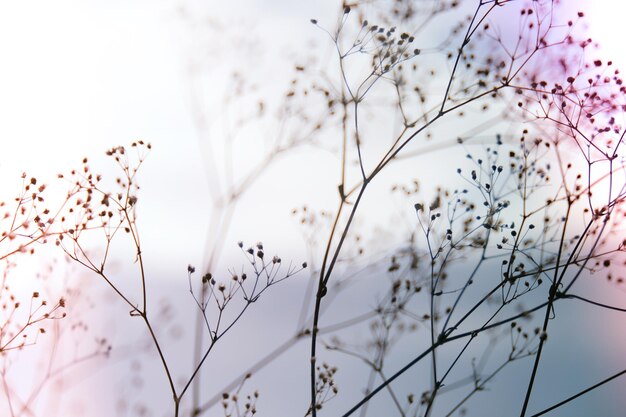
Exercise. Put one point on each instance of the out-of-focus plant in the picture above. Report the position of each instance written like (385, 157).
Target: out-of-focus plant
(28, 314)
(23, 226)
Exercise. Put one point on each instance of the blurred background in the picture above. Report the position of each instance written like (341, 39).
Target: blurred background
(78, 78)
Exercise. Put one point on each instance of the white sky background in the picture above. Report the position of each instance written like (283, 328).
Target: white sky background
(79, 77)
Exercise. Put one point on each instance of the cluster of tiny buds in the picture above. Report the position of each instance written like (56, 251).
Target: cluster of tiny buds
(543, 336)
(259, 252)
(122, 150)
